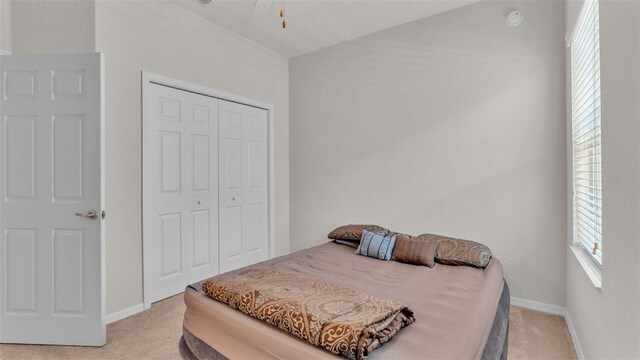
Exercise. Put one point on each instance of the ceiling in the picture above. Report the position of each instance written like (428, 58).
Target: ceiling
(314, 24)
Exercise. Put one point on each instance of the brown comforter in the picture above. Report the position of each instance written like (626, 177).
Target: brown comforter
(344, 321)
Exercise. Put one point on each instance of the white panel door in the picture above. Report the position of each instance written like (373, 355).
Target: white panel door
(243, 191)
(181, 194)
(51, 185)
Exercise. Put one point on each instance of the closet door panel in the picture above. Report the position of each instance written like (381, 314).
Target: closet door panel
(256, 189)
(201, 194)
(184, 190)
(243, 185)
(167, 225)
(201, 238)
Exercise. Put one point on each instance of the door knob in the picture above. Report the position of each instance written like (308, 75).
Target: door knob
(91, 214)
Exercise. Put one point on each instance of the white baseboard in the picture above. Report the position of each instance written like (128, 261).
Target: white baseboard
(556, 310)
(574, 335)
(274, 256)
(124, 313)
(538, 306)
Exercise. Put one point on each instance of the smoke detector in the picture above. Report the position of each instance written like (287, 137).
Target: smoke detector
(514, 18)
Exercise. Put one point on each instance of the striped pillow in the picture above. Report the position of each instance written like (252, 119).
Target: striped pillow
(376, 245)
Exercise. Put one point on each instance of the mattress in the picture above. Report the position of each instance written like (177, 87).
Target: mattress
(454, 307)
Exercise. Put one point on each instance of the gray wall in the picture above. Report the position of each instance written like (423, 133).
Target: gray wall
(5, 25)
(607, 321)
(453, 124)
(48, 27)
(163, 38)
(159, 37)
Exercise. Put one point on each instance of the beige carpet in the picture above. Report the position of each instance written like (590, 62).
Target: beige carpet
(154, 334)
(537, 335)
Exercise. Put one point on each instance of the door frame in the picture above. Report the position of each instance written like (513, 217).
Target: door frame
(149, 78)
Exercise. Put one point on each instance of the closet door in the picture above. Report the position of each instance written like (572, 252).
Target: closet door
(243, 185)
(183, 190)
(201, 193)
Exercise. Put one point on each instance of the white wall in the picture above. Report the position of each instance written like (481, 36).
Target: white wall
(607, 321)
(47, 27)
(5, 25)
(159, 37)
(162, 38)
(452, 124)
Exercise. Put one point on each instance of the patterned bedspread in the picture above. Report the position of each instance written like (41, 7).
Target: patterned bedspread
(344, 321)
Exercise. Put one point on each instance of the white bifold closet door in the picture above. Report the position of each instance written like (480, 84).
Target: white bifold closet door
(243, 185)
(184, 189)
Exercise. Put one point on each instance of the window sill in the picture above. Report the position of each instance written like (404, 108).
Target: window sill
(590, 267)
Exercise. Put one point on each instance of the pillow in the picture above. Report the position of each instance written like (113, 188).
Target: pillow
(401, 234)
(353, 244)
(354, 232)
(376, 245)
(416, 251)
(453, 251)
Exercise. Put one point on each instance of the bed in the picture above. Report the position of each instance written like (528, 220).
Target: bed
(461, 312)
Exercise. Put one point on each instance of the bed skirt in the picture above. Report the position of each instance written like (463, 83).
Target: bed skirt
(192, 348)
(498, 342)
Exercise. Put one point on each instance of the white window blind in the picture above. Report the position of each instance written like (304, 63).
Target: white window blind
(585, 106)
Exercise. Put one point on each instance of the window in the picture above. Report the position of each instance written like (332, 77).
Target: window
(585, 109)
